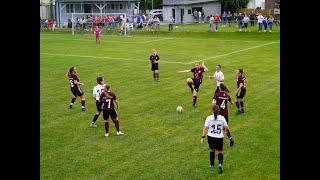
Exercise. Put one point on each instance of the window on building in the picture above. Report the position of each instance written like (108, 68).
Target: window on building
(121, 6)
(196, 9)
(189, 11)
(112, 6)
(69, 8)
(107, 7)
(87, 8)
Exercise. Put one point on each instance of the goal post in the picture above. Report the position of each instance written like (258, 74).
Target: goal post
(85, 20)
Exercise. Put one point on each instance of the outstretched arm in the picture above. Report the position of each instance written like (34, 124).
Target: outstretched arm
(204, 66)
(184, 71)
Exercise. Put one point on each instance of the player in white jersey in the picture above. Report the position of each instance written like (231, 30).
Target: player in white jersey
(218, 76)
(213, 128)
(97, 91)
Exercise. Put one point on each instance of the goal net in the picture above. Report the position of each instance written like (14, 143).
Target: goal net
(109, 23)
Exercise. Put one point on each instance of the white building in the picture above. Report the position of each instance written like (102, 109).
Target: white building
(45, 9)
(182, 10)
(253, 4)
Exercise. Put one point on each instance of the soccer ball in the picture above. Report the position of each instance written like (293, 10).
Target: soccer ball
(179, 109)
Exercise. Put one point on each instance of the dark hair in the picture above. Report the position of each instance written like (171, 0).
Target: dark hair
(108, 86)
(223, 87)
(240, 70)
(99, 79)
(219, 65)
(215, 109)
(70, 71)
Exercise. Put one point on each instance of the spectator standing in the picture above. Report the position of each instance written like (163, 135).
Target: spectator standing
(224, 19)
(239, 21)
(265, 24)
(252, 18)
(202, 16)
(211, 22)
(217, 20)
(171, 21)
(270, 22)
(53, 25)
(229, 18)
(199, 17)
(260, 19)
(245, 22)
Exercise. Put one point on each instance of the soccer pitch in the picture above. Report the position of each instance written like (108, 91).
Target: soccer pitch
(158, 143)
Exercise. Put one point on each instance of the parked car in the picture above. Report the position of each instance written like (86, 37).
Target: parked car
(156, 12)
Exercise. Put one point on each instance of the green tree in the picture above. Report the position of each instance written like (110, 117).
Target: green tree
(147, 4)
(233, 5)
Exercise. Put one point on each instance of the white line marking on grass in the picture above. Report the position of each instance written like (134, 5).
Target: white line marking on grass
(119, 41)
(85, 35)
(179, 38)
(105, 57)
(234, 52)
(156, 40)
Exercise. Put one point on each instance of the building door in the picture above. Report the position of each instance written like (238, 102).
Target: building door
(181, 15)
(87, 8)
(174, 14)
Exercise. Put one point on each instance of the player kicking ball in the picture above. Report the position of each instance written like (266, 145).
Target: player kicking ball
(195, 82)
(97, 32)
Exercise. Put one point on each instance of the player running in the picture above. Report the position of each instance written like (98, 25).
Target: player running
(97, 91)
(221, 99)
(218, 76)
(75, 88)
(213, 128)
(109, 100)
(195, 82)
(241, 91)
(97, 32)
(154, 60)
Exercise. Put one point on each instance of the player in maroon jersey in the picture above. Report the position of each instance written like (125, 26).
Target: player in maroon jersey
(154, 60)
(76, 90)
(241, 91)
(195, 82)
(109, 109)
(221, 98)
(97, 32)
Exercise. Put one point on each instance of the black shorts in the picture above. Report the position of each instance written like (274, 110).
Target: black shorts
(245, 25)
(99, 105)
(196, 85)
(240, 94)
(154, 67)
(215, 143)
(78, 92)
(109, 112)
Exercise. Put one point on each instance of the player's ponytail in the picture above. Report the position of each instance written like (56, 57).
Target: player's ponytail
(70, 71)
(215, 109)
(223, 87)
(240, 71)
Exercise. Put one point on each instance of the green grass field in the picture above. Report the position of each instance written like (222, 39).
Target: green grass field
(158, 143)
